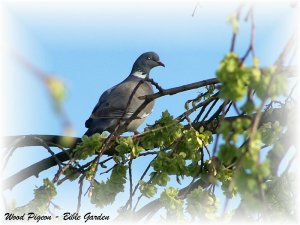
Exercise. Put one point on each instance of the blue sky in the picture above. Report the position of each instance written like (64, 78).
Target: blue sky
(91, 46)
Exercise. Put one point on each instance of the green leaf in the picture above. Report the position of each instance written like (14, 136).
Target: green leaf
(270, 132)
(104, 193)
(42, 198)
(233, 20)
(125, 145)
(160, 178)
(90, 173)
(228, 153)
(174, 206)
(256, 75)
(234, 77)
(148, 190)
(248, 107)
(231, 65)
(72, 173)
(201, 203)
(256, 62)
(89, 146)
(163, 133)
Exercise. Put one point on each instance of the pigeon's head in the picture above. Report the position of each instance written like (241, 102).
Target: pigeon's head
(145, 63)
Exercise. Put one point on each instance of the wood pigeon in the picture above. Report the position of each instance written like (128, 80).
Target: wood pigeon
(113, 102)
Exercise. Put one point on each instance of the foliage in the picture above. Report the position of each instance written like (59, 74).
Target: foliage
(174, 206)
(250, 170)
(163, 133)
(237, 78)
(233, 21)
(201, 203)
(42, 198)
(146, 189)
(104, 193)
(180, 150)
(89, 146)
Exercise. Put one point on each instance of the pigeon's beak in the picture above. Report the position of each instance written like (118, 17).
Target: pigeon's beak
(160, 63)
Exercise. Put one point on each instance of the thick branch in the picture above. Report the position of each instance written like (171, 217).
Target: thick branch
(33, 170)
(31, 140)
(176, 90)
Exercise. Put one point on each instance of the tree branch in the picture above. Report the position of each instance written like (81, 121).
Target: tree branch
(34, 170)
(176, 90)
(31, 140)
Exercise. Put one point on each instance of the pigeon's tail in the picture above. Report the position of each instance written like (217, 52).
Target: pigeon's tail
(99, 125)
(93, 130)
(90, 132)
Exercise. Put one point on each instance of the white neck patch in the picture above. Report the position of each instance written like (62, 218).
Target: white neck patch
(139, 74)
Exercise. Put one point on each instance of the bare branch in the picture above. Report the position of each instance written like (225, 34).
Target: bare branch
(176, 90)
(288, 48)
(30, 140)
(80, 193)
(194, 11)
(130, 184)
(233, 39)
(251, 45)
(46, 79)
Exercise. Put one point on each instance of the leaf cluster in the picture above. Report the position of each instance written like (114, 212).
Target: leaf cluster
(42, 198)
(180, 152)
(104, 193)
(89, 146)
(236, 78)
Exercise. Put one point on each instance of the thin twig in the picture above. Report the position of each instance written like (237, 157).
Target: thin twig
(62, 170)
(216, 144)
(110, 169)
(137, 185)
(59, 163)
(209, 156)
(225, 207)
(155, 84)
(201, 104)
(130, 184)
(108, 142)
(45, 78)
(149, 153)
(12, 146)
(236, 109)
(80, 193)
(105, 161)
(201, 160)
(289, 46)
(251, 45)
(233, 39)
(194, 11)
(137, 202)
(209, 110)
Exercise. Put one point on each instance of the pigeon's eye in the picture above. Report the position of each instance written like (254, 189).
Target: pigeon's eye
(149, 58)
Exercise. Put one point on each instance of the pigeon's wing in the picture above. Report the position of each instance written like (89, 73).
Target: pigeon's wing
(113, 103)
